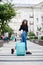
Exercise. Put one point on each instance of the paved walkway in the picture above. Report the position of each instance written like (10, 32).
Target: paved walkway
(36, 58)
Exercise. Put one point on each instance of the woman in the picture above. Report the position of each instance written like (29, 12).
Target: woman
(24, 27)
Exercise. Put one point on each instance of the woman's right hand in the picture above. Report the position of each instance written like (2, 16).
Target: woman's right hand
(20, 32)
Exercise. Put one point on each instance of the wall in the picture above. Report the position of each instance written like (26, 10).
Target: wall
(33, 15)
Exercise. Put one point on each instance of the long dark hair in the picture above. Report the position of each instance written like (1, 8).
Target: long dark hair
(26, 22)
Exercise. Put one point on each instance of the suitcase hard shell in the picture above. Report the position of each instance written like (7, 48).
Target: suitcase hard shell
(20, 49)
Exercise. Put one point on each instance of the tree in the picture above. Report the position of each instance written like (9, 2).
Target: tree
(7, 12)
(0, 0)
(7, 29)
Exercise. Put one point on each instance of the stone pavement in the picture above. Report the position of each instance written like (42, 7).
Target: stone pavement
(36, 58)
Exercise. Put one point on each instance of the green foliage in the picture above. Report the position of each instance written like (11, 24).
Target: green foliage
(35, 37)
(31, 34)
(7, 29)
(32, 37)
(41, 37)
(0, 0)
(0, 39)
(7, 12)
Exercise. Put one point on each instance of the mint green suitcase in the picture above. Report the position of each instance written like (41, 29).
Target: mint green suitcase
(20, 49)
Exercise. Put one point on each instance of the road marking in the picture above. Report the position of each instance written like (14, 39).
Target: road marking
(21, 60)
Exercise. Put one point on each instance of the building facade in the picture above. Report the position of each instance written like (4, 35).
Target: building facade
(34, 15)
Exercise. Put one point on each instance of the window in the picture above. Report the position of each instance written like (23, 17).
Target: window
(37, 19)
(31, 16)
(42, 18)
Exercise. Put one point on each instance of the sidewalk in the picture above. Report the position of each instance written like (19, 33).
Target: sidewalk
(32, 47)
(36, 58)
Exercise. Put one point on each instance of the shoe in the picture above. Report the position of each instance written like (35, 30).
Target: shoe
(28, 53)
(12, 51)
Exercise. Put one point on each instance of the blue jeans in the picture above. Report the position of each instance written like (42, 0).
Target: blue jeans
(24, 35)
